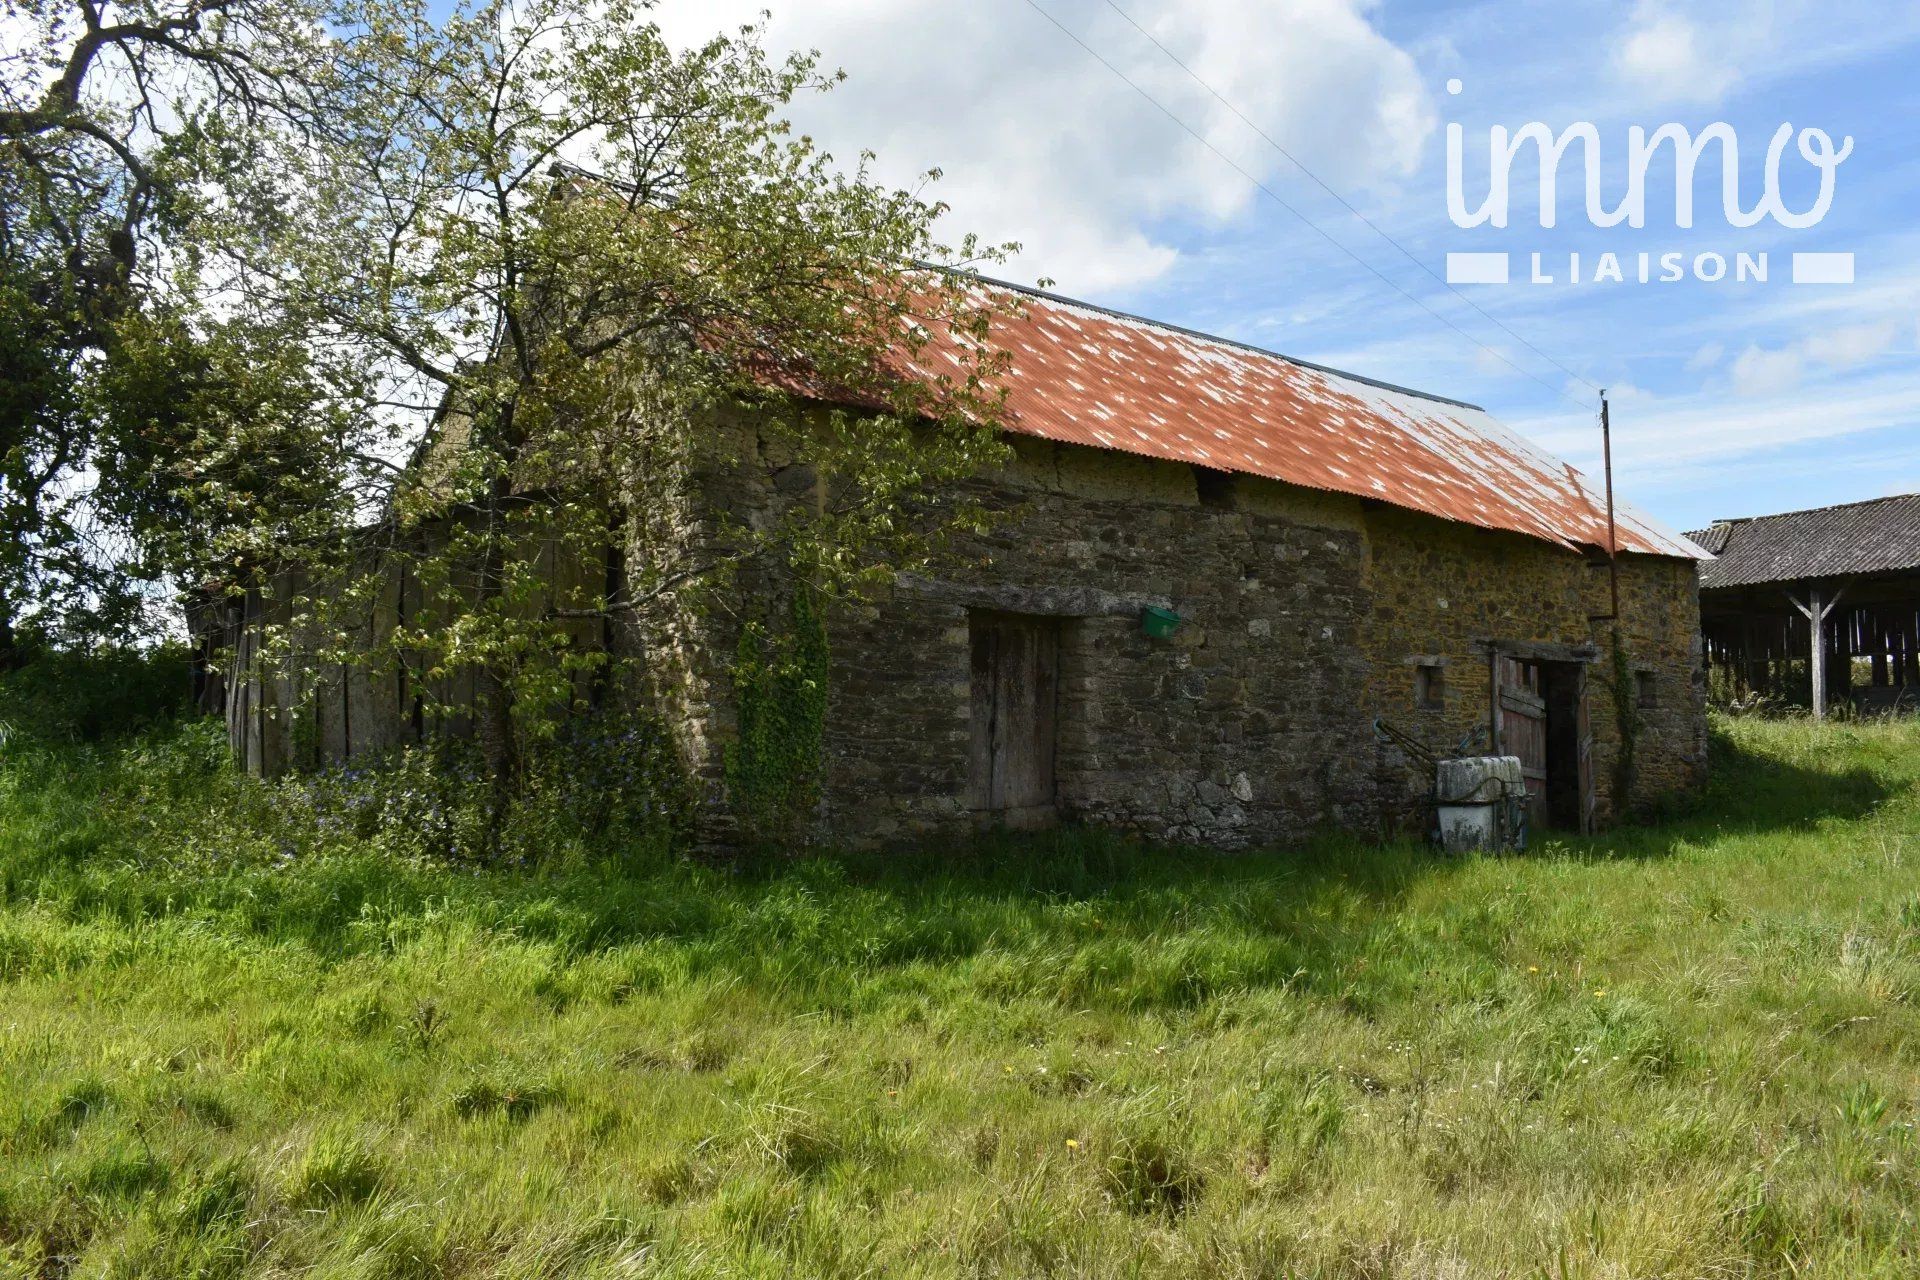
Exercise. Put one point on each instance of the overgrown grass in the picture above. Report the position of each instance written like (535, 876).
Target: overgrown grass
(236, 1042)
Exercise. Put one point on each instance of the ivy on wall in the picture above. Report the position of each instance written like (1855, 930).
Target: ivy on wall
(780, 689)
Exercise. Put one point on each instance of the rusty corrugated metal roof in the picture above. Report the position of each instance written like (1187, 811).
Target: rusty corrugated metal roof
(1085, 375)
(1879, 535)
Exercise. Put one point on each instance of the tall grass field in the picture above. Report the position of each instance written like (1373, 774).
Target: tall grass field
(283, 1029)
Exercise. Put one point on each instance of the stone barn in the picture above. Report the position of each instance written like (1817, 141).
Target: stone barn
(1222, 577)
(1225, 589)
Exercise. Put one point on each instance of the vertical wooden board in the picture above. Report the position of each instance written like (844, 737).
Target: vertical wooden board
(255, 719)
(329, 711)
(1047, 711)
(1012, 654)
(1523, 729)
(1024, 749)
(1589, 787)
(407, 690)
(981, 700)
(1014, 691)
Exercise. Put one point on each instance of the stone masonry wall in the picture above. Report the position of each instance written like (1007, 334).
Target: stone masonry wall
(1439, 587)
(1254, 724)
(1305, 615)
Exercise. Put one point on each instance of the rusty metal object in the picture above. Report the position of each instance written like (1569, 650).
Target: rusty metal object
(1084, 375)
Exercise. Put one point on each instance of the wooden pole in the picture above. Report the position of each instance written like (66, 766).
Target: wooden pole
(1613, 541)
(1815, 611)
(1816, 623)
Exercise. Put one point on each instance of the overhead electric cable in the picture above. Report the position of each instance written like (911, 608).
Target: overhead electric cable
(1271, 194)
(1295, 161)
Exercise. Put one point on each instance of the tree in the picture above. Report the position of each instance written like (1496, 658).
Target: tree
(487, 273)
(463, 271)
(551, 233)
(116, 121)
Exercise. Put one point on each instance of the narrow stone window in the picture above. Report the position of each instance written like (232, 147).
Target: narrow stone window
(1429, 686)
(1646, 692)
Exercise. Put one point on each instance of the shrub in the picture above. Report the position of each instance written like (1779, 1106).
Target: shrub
(71, 696)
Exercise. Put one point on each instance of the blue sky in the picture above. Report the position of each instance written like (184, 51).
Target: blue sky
(1728, 398)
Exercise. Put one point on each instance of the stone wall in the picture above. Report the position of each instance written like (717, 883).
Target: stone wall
(1306, 615)
(1440, 589)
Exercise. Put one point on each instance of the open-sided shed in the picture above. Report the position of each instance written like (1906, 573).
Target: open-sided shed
(1816, 607)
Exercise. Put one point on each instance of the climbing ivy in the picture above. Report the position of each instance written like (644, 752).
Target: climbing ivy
(1626, 714)
(780, 689)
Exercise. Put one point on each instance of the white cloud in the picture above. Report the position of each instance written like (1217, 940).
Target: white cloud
(1853, 344)
(1709, 355)
(1493, 361)
(1041, 144)
(1701, 51)
(1665, 54)
(1679, 441)
(1758, 371)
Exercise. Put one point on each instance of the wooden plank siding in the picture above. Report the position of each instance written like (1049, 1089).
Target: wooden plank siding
(288, 715)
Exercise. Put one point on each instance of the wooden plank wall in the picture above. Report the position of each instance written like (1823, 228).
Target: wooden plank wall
(281, 716)
(1768, 652)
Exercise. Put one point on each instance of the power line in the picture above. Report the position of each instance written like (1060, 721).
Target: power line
(1295, 161)
(1274, 196)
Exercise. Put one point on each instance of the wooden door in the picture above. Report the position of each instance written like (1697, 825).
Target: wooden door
(1015, 675)
(1522, 709)
(1583, 734)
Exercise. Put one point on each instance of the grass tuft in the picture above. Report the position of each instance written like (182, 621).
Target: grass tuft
(336, 1169)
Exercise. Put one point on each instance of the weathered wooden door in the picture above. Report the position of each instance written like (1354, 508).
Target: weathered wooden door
(1583, 732)
(1015, 677)
(1522, 710)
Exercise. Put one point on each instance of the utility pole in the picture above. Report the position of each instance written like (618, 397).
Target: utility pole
(1613, 540)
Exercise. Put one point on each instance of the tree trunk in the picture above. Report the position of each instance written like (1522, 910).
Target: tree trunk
(10, 656)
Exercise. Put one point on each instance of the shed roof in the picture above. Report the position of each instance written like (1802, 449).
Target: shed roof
(1879, 535)
(1087, 375)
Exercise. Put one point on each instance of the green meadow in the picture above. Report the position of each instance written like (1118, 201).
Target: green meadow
(278, 1029)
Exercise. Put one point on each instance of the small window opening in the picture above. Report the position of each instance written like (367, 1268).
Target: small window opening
(1646, 693)
(1214, 486)
(1430, 686)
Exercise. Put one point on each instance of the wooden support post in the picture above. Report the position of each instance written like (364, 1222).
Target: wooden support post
(1493, 700)
(1816, 625)
(1815, 611)
(1843, 647)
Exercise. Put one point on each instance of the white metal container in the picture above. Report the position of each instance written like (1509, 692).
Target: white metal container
(1481, 803)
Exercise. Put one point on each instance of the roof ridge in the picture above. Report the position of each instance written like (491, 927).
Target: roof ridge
(1169, 326)
(1807, 511)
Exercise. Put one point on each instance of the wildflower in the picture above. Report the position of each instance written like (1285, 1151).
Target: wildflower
(1533, 968)
(1598, 994)
(1073, 1144)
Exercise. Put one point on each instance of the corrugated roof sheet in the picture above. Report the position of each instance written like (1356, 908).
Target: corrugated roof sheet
(1881, 535)
(1085, 375)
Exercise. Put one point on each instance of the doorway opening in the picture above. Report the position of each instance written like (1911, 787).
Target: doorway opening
(1540, 715)
(1014, 699)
